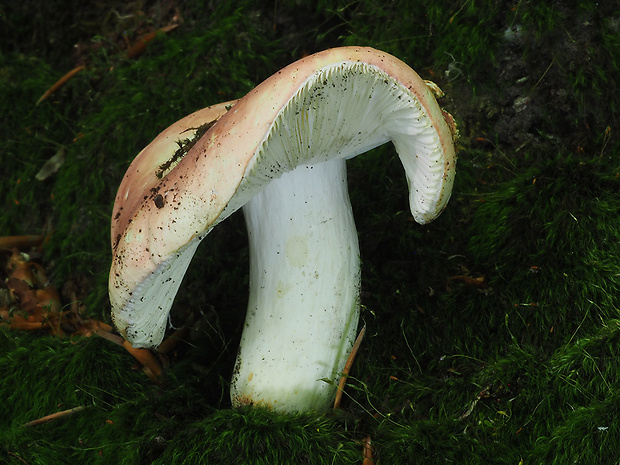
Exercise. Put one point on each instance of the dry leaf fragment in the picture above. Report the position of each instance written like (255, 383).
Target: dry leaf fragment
(52, 165)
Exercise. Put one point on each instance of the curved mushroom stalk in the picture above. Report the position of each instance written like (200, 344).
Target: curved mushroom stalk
(304, 290)
(281, 150)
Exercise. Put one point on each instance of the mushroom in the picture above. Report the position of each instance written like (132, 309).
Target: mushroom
(280, 153)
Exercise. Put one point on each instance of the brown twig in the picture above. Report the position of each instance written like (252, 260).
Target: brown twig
(13, 454)
(173, 340)
(150, 365)
(54, 416)
(21, 242)
(368, 452)
(61, 82)
(478, 282)
(147, 359)
(118, 340)
(347, 367)
(139, 46)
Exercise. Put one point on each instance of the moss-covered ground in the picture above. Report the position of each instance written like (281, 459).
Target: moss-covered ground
(493, 334)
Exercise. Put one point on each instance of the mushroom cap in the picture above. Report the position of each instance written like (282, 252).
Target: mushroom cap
(141, 185)
(333, 104)
(155, 160)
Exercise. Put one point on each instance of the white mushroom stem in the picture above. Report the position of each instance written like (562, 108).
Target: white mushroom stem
(304, 290)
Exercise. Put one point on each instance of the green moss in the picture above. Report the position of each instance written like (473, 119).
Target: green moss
(585, 401)
(550, 235)
(259, 436)
(97, 372)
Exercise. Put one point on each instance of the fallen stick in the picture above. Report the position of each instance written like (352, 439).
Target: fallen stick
(110, 337)
(147, 359)
(20, 242)
(368, 452)
(13, 454)
(61, 82)
(53, 416)
(140, 45)
(347, 367)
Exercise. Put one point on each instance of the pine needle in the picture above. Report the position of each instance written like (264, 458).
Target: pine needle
(53, 416)
(347, 367)
(61, 82)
